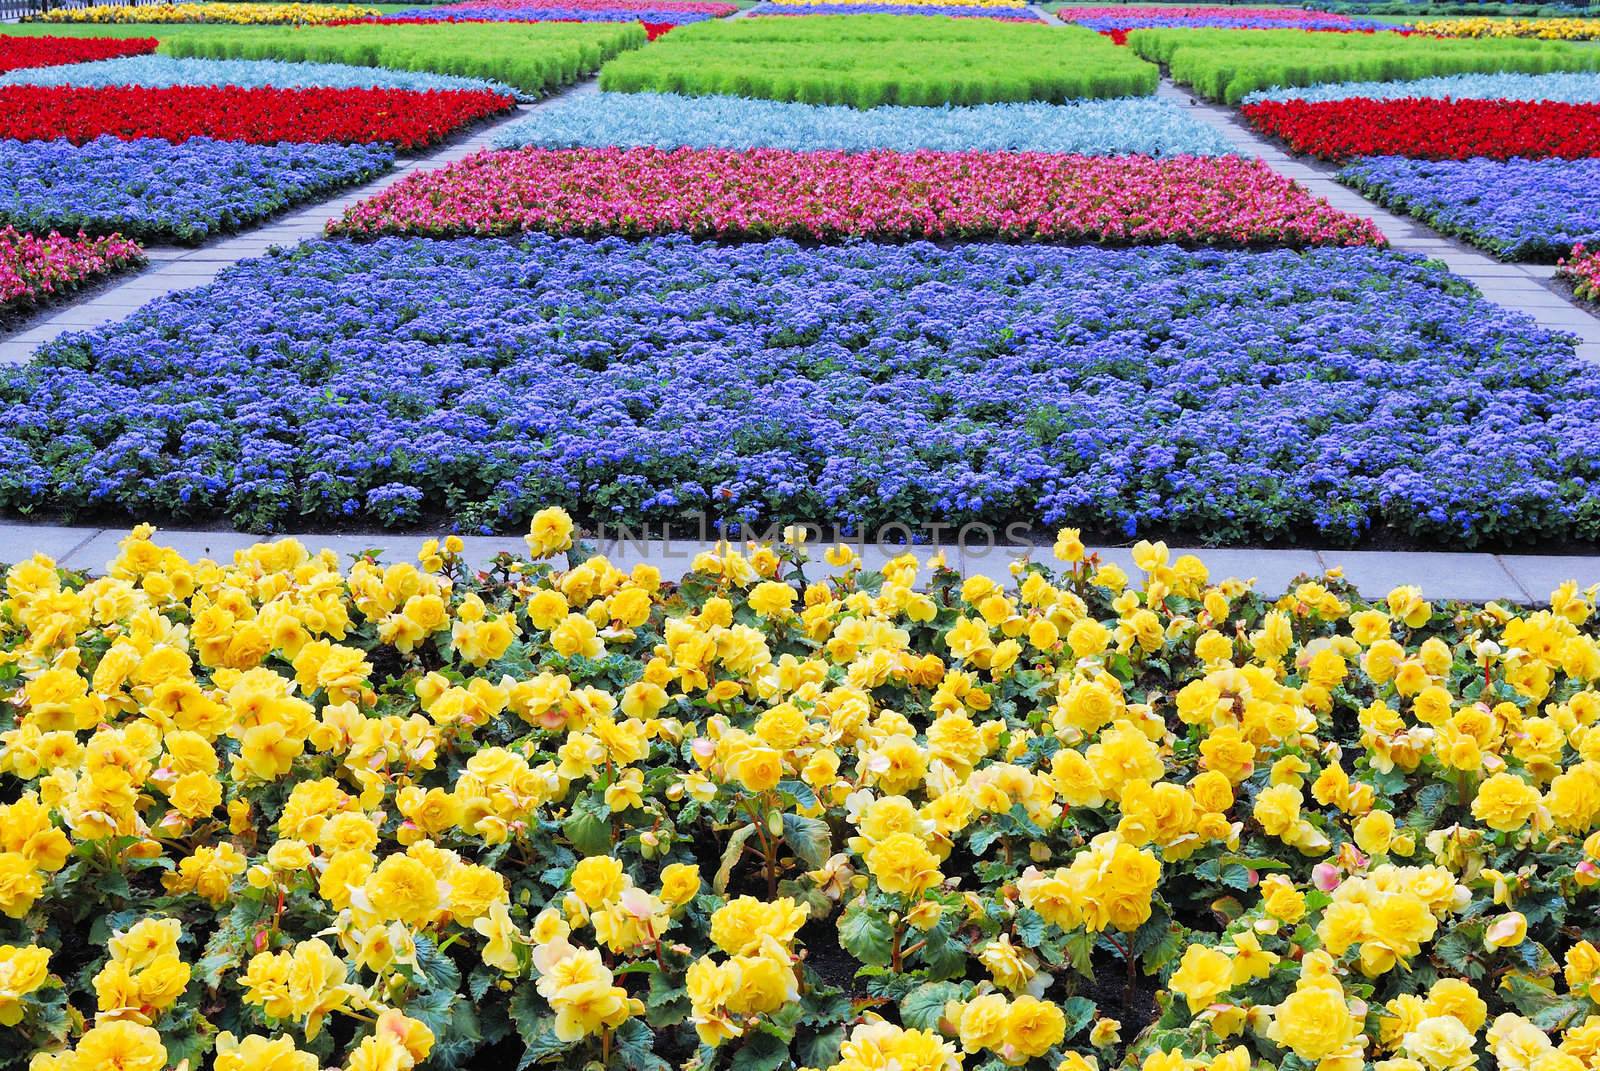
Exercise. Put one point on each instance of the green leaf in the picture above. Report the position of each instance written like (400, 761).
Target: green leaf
(1079, 948)
(1080, 1013)
(1236, 877)
(944, 955)
(810, 839)
(542, 1047)
(479, 981)
(1030, 928)
(984, 836)
(824, 1005)
(802, 793)
(820, 1050)
(1431, 801)
(667, 1002)
(865, 936)
(763, 1052)
(589, 828)
(437, 968)
(730, 856)
(225, 947)
(1547, 1009)
(435, 1009)
(1458, 950)
(460, 1040)
(536, 1029)
(923, 1007)
(1154, 930)
(636, 1047)
(888, 984)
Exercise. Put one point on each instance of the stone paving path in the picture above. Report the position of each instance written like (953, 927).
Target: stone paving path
(174, 268)
(1512, 578)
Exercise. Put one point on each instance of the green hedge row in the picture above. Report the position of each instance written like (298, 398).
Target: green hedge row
(532, 57)
(868, 60)
(1225, 65)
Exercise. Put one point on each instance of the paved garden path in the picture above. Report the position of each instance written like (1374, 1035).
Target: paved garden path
(1518, 578)
(174, 268)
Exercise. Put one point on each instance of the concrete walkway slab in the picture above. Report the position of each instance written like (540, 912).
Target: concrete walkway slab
(1476, 577)
(1523, 579)
(1540, 574)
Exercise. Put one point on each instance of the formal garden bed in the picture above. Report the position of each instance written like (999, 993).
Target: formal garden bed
(774, 807)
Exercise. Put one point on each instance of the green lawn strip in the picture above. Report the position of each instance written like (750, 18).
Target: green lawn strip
(868, 60)
(532, 57)
(1225, 65)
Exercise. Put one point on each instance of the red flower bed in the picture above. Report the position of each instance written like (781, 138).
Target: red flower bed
(405, 118)
(1431, 129)
(18, 52)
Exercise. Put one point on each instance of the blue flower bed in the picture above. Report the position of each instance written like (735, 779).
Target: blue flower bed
(1011, 14)
(161, 71)
(1568, 88)
(1516, 209)
(153, 190)
(1145, 125)
(1220, 395)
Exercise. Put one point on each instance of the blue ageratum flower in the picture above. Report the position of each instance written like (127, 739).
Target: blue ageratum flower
(1516, 209)
(1198, 393)
(1145, 125)
(1567, 88)
(152, 189)
(161, 71)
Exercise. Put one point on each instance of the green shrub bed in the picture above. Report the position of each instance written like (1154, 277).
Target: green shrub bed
(869, 60)
(1225, 65)
(533, 57)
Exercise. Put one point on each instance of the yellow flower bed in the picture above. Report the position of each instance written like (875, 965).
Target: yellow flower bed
(239, 14)
(1544, 29)
(285, 813)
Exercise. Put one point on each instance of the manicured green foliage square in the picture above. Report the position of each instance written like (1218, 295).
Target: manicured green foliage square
(1225, 65)
(869, 60)
(532, 57)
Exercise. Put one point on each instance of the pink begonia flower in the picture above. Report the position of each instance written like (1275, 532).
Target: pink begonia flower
(1326, 876)
(32, 268)
(831, 196)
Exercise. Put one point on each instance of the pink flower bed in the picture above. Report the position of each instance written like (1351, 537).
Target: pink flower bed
(828, 196)
(1582, 270)
(33, 268)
